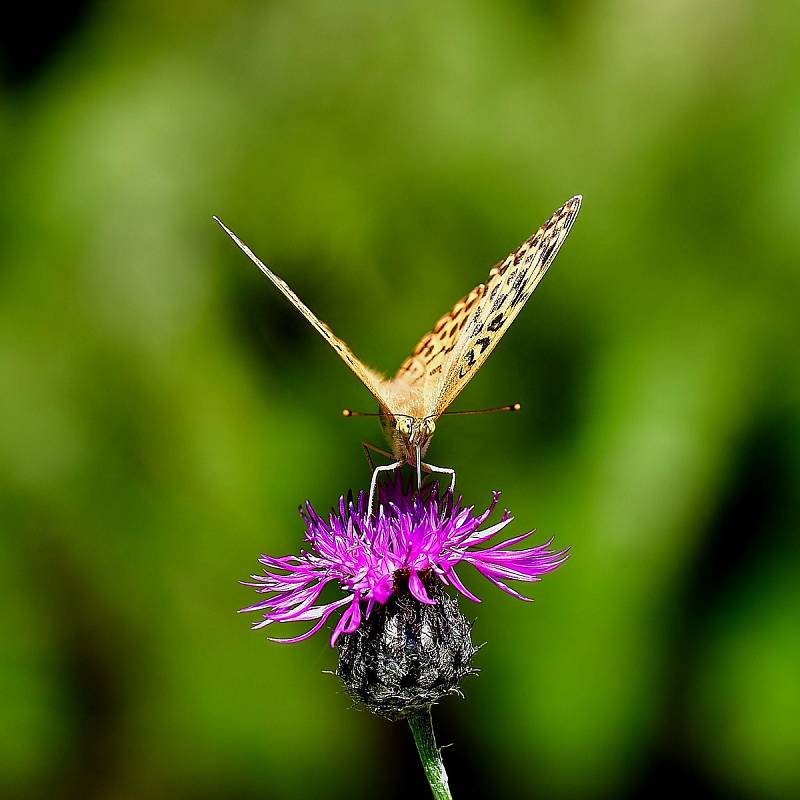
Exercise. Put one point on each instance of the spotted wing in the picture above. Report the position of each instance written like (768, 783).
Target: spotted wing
(371, 379)
(446, 358)
(425, 366)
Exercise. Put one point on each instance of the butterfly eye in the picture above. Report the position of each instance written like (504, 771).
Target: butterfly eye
(430, 426)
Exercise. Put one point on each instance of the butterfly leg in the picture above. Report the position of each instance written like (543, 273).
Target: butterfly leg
(374, 484)
(368, 446)
(443, 470)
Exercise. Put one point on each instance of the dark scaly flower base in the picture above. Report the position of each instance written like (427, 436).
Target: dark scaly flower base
(407, 655)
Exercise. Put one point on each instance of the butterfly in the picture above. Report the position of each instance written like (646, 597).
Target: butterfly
(449, 355)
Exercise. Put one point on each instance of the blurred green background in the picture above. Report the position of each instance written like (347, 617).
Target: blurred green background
(163, 411)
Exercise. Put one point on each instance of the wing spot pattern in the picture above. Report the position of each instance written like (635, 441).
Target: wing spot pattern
(462, 339)
(499, 302)
(495, 324)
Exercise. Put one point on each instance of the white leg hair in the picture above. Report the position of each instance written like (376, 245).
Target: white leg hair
(373, 485)
(444, 470)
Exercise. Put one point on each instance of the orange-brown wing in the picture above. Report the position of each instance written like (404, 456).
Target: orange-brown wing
(426, 364)
(446, 358)
(371, 379)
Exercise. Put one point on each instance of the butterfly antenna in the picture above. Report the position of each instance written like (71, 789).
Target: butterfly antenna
(511, 407)
(346, 412)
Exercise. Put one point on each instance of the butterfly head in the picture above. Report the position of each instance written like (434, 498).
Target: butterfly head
(416, 431)
(407, 434)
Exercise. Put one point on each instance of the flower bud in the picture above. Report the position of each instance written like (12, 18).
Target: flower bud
(407, 655)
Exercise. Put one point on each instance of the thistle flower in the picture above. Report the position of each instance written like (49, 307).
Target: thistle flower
(414, 542)
(403, 641)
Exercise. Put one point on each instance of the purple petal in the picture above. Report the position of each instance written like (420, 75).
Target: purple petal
(417, 588)
(411, 533)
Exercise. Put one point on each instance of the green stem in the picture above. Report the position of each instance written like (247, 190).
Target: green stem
(421, 724)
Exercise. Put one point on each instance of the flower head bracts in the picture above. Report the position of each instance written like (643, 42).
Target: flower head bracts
(414, 536)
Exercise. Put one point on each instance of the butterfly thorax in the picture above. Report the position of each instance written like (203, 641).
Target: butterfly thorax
(406, 433)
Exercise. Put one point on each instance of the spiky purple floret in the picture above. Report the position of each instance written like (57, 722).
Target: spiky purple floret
(414, 536)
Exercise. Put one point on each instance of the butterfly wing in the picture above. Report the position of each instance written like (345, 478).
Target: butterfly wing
(425, 366)
(371, 379)
(445, 359)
